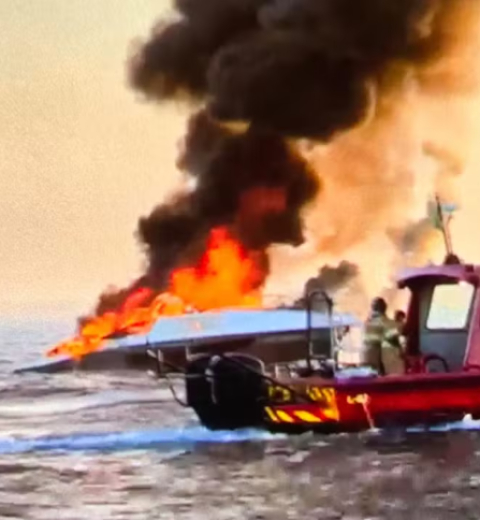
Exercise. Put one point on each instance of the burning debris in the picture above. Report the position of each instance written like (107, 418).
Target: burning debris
(284, 69)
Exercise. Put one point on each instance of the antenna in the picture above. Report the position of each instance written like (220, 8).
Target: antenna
(444, 225)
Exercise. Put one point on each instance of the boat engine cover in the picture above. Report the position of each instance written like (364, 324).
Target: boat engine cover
(226, 392)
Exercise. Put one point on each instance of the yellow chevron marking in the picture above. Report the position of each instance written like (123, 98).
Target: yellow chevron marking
(271, 414)
(307, 416)
(331, 413)
(283, 416)
(327, 397)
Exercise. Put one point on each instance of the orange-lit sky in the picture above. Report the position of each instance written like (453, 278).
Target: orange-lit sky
(81, 158)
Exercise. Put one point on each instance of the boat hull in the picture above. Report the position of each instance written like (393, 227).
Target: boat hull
(285, 349)
(380, 402)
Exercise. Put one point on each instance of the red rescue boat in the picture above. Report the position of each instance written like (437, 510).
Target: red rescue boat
(440, 383)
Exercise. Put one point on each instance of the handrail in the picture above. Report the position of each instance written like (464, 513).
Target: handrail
(309, 298)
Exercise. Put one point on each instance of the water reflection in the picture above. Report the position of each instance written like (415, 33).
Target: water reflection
(416, 476)
(346, 476)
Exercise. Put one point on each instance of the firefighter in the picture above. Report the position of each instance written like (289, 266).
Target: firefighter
(400, 318)
(383, 341)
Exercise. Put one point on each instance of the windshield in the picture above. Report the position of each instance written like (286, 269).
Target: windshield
(450, 306)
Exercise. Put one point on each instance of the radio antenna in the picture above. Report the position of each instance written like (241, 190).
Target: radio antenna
(443, 223)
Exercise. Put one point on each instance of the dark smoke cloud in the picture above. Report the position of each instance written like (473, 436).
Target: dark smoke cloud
(299, 67)
(227, 168)
(329, 279)
(246, 84)
(285, 68)
(332, 278)
(175, 60)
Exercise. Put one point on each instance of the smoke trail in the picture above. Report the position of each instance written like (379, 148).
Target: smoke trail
(345, 73)
(252, 182)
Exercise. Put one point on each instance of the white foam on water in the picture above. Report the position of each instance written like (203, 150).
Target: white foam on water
(68, 404)
(167, 438)
(466, 424)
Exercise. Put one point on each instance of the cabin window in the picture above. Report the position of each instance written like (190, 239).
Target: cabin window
(450, 306)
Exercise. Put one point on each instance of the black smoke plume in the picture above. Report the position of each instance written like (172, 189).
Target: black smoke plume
(332, 278)
(285, 69)
(232, 172)
(329, 279)
(297, 67)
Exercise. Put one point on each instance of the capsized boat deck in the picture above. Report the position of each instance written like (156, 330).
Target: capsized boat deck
(272, 335)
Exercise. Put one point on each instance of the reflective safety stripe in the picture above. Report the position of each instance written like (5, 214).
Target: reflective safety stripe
(283, 416)
(307, 416)
(392, 334)
(298, 415)
(271, 414)
(394, 339)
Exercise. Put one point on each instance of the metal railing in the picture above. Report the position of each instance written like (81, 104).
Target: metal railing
(310, 297)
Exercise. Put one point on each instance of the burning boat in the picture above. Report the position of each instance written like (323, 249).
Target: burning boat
(275, 336)
(206, 310)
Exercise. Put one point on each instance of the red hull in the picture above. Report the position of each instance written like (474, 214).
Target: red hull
(359, 404)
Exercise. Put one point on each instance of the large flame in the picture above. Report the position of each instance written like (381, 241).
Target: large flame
(226, 276)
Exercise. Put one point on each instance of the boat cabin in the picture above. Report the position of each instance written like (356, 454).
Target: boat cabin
(442, 327)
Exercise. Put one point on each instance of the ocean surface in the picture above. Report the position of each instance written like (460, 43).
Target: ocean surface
(116, 446)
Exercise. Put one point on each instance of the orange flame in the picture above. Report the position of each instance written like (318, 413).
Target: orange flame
(226, 276)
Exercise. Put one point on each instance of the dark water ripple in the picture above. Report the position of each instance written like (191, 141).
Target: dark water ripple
(111, 446)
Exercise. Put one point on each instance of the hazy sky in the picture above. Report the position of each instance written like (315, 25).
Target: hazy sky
(81, 158)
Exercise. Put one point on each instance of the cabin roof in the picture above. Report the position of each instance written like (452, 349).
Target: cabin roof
(200, 327)
(456, 272)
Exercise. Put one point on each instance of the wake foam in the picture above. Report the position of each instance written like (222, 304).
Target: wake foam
(68, 404)
(164, 439)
